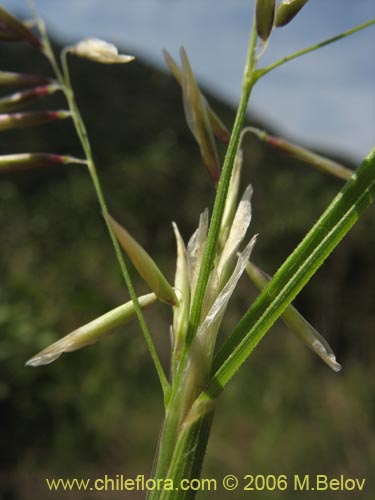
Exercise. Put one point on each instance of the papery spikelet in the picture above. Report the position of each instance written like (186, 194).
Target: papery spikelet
(218, 128)
(208, 328)
(297, 323)
(22, 79)
(197, 119)
(10, 121)
(14, 25)
(173, 66)
(231, 201)
(144, 264)
(100, 51)
(91, 332)
(182, 288)
(18, 99)
(239, 226)
(313, 159)
(317, 161)
(287, 10)
(264, 14)
(195, 249)
(28, 161)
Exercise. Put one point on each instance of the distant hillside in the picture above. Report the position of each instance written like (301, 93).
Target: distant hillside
(152, 174)
(57, 267)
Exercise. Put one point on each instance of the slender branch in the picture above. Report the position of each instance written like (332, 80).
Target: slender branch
(64, 79)
(267, 69)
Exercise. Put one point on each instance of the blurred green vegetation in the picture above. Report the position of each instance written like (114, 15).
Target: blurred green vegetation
(98, 411)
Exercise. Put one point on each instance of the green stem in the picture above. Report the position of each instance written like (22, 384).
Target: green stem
(64, 79)
(194, 440)
(317, 46)
(342, 213)
(188, 456)
(249, 79)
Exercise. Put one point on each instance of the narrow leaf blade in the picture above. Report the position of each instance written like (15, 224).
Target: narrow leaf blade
(357, 194)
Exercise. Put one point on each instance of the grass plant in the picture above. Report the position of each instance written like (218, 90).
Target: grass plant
(210, 264)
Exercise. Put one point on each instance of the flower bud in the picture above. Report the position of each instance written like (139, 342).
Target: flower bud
(28, 161)
(91, 332)
(144, 264)
(297, 323)
(287, 10)
(15, 101)
(15, 26)
(22, 79)
(19, 120)
(264, 16)
(99, 51)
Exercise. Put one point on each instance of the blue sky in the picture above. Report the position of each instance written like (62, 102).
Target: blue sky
(325, 99)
